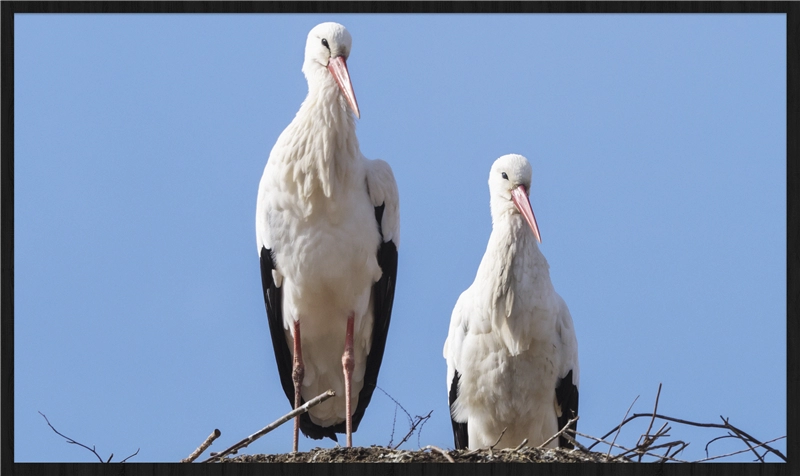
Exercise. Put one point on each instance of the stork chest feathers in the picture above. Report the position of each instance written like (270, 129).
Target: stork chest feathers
(521, 297)
(319, 150)
(320, 219)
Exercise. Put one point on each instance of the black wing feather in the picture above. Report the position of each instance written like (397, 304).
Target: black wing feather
(567, 398)
(382, 301)
(460, 435)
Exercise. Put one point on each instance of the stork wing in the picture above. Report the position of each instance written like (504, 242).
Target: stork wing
(460, 434)
(382, 300)
(452, 353)
(382, 190)
(567, 388)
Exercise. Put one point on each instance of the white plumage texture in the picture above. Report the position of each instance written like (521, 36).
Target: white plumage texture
(316, 212)
(511, 336)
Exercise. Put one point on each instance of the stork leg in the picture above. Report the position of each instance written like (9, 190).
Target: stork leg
(348, 363)
(298, 371)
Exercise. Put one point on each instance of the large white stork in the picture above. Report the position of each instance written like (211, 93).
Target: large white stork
(327, 227)
(512, 356)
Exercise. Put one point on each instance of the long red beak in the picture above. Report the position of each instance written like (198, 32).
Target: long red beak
(520, 198)
(338, 68)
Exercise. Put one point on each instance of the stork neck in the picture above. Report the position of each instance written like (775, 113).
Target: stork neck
(325, 139)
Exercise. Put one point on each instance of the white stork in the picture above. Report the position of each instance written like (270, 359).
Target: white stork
(512, 356)
(327, 229)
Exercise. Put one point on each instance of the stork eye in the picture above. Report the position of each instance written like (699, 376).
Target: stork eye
(505, 176)
(325, 44)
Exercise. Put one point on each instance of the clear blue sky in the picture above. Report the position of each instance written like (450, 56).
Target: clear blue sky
(658, 145)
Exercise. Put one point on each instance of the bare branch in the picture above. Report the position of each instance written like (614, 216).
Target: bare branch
(627, 450)
(740, 451)
(574, 441)
(655, 410)
(280, 421)
(417, 422)
(726, 426)
(71, 441)
(519, 446)
(499, 438)
(560, 432)
(131, 456)
(196, 453)
(739, 435)
(619, 427)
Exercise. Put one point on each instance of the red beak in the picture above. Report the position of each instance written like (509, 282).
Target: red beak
(520, 198)
(338, 68)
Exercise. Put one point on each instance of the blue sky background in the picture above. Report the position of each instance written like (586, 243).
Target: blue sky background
(658, 145)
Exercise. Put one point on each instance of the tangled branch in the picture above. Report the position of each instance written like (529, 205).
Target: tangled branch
(646, 443)
(414, 423)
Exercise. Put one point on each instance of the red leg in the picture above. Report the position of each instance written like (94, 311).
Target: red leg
(348, 362)
(298, 371)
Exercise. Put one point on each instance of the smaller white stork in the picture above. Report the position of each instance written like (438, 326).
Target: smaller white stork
(511, 351)
(327, 230)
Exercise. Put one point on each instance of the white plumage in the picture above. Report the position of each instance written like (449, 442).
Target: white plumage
(327, 229)
(511, 351)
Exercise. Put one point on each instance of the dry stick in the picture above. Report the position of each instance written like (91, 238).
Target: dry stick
(740, 451)
(414, 425)
(524, 442)
(491, 448)
(498, 438)
(280, 421)
(655, 410)
(647, 441)
(574, 441)
(92, 449)
(213, 436)
(620, 428)
(131, 456)
(743, 439)
(560, 432)
(727, 426)
(443, 452)
(600, 440)
(70, 440)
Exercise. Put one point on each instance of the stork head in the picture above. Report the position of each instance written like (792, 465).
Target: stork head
(509, 186)
(327, 50)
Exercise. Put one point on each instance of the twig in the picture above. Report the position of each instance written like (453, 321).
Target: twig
(443, 452)
(213, 436)
(70, 440)
(280, 421)
(647, 440)
(131, 456)
(499, 438)
(574, 441)
(411, 421)
(524, 442)
(655, 410)
(741, 451)
(414, 424)
(92, 449)
(742, 438)
(620, 427)
(627, 450)
(560, 432)
(726, 426)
